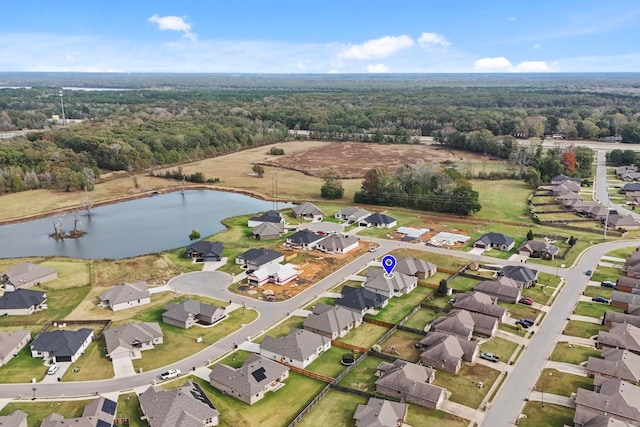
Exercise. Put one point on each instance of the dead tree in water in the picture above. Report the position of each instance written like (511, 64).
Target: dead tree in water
(87, 205)
(58, 231)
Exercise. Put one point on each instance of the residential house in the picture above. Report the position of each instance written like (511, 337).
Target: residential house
(332, 321)
(352, 215)
(125, 295)
(564, 188)
(494, 241)
(186, 405)
(612, 318)
(629, 176)
(412, 234)
(378, 220)
(187, 313)
(15, 419)
(269, 216)
(631, 187)
(298, 349)
(478, 302)
(396, 284)
(415, 267)
(622, 336)
(268, 231)
(632, 264)
(502, 288)
(520, 273)
(25, 275)
(624, 300)
(11, 343)
(338, 244)
(101, 412)
(250, 382)
(304, 239)
(127, 341)
(324, 228)
(614, 398)
(628, 284)
(61, 345)
(559, 179)
(464, 324)
(591, 210)
(381, 413)
(278, 274)
(256, 258)
(447, 352)
(622, 170)
(361, 300)
(308, 211)
(565, 198)
(616, 363)
(204, 251)
(409, 382)
(22, 302)
(538, 249)
(622, 223)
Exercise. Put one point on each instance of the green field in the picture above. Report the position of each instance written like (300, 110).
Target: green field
(577, 328)
(335, 409)
(399, 307)
(562, 383)
(463, 385)
(572, 353)
(594, 309)
(37, 411)
(549, 415)
(129, 407)
(329, 362)
(364, 335)
(497, 207)
(421, 318)
(500, 347)
(362, 377)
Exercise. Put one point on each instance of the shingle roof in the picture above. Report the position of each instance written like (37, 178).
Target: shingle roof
(337, 243)
(617, 363)
(360, 298)
(61, 343)
(241, 379)
(478, 302)
(125, 292)
(631, 282)
(380, 413)
(304, 237)
(354, 211)
(503, 286)
(269, 216)
(412, 266)
(378, 218)
(181, 311)
(615, 317)
(205, 248)
(520, 273)
(15, 419)
(21, 299)
(260, 255)
(411, 379)
(330, 319)
(495, 239)
(185, 406)
(298, 345)
(621, 336)
(268, 229)
(457, 322)
(26, 272)
(131, 333)
(448, 348)
(378, 280)
(625, 297)
(306, 208)
(616, 397)
(9, 341)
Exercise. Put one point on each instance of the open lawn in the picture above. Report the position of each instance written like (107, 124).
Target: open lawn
(497, 207)
(548, 279)
(463, 283)
(500, 347)
(129, 407)
(497, 253)
(399, 307)
(93, 365)
(434, 280)
(550, 415)
(364, 335)
(235, 359)
(517, 330)
(573, 353)
(577, 328)
(442, 261)
(404, 343)
(594, 309)
(539, 293)
(519, 311)
(329, 362)
(562, 383)
(598, 291)
(442, 302)
(606, 273)
(37, 411)
(72, 273)
(463, 385)
(423, 417)
(363, 377)
(23, 368)
(153, 268)
(335, 409)
(322, 300)
(621, 253)
(421, 318)
(283, 328)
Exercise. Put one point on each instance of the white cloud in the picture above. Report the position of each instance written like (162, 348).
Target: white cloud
(537, 46)
(433, 39)
(532, 67)
(377, 68)
(499, 63)
(512, 18)
(377, 48)
(502, 64)
(173, 23)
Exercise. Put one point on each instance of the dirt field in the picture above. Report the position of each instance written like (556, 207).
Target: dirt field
(352, 160)
(152, 268)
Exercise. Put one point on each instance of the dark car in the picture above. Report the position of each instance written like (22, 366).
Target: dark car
(526, 301)
(588, 272)
(608, 284)
(600, 299)
(490, 357)
(523, 324)
(529, 322)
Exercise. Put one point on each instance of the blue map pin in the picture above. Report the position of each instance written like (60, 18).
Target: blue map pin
(389, 263)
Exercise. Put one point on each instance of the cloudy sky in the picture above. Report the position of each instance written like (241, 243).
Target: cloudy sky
(328, 36)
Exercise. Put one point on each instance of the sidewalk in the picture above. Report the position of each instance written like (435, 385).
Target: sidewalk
(462, 411)
(567, 367)
(577, 340)
(587, 319)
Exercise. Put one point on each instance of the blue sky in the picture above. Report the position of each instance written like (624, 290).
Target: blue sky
(286, 36)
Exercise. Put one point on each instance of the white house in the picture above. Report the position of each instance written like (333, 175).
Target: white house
(279, 274)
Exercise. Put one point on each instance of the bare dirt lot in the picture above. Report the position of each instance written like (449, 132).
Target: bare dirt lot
(352, 160)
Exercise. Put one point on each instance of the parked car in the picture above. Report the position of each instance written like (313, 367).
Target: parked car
(490, 357)
(600, 299)
(171, 373)
(608, 284)
(530, 322)
(372, 248)
(53, 369)
(523, 324)
(588, 273)
(526, 301)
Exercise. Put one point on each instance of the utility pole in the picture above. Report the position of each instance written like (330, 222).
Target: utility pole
(274, 190)
(64, 120)
(606, 221)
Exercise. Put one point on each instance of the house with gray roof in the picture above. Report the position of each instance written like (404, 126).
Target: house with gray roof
(61, 345)
(502, 288)
(411, 383)
(625, 300)
(361, 300)
(447, 352)
(396, 284)
(11, 343)
(298, 349)
(25, 275)
(203, 250)
(623, 336)
(269, 216)
(464, 324)
(338, 244)
(130, 339)
(628, 284)
(380, 413)
(415, 267)
(622, 223)
(22, 302)
(538, 249)
(101, 412)
(612, 318)
(520, 273)
(332, 321)
(187, 313)
(494, 241)
(252, 381)
(125, 295)
(255, 258)
(614, 398)
(352, 215)
(616, 363)
(15, 419)
(268, 231)
(478, 302)
(378, 220)
(308, 211)
(304, 239)
(559, 179)
(185, 406)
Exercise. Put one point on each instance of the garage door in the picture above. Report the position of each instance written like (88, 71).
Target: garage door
(63, 359)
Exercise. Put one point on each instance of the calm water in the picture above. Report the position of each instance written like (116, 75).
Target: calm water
(126, 229)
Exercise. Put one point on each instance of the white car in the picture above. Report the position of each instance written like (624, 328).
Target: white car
(53, 369)
(171, 373)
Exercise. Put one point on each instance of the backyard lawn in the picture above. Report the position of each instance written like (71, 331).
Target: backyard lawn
(548, 279)
(550, 415)
(573, 353)
(598, 291)
(463, 283)
(621, 253)
(562, 383)
(594, 309)
(335, 409)
(72, 273)
(577, 328)
(500, 347)
(463, 385)
(404, 343)
(329, 362)
(363, 377)
(399, 307)
(512, 329)
(93, 365)
(37, 411)
(538, 293)
(421, 318)
(364, 335)
(519, 311)
(129, 407)
(423, 417)
(606, 273)
(24, 367)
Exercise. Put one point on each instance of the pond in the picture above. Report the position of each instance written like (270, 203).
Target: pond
(131, 228)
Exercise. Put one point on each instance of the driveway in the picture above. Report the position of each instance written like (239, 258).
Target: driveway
(208, 283)
(476, 251)
(567, 367)
(53, 379)
(123, 367)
